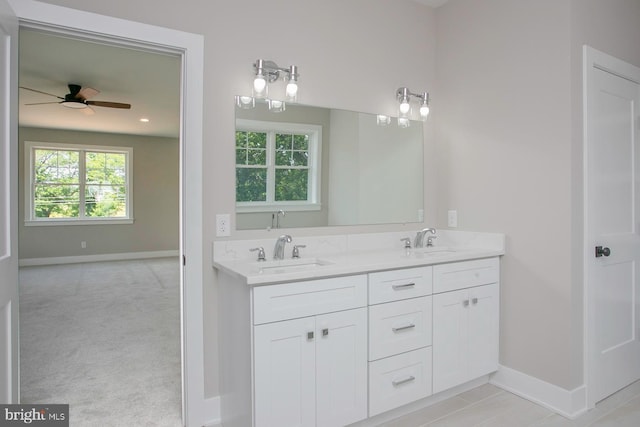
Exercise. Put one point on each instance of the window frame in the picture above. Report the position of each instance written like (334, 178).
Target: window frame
(313, 202)
(29, 184)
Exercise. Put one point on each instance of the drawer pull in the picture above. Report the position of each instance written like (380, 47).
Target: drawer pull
(465, 303)
(403, 328)
(310, 335)
(474, 301)
(397, 383)
(405, 286)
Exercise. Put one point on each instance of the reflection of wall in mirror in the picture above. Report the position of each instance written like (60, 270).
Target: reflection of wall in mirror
(292, 114)
(379, 167)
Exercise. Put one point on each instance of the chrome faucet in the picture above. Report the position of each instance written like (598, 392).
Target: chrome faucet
(278, 251)
(419, 241)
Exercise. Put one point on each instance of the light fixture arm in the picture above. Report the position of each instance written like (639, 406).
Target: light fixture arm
(404, 92)
(271, 71)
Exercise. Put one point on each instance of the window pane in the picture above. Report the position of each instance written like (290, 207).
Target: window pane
(105, 201)
(301, 142)
(105, 168)
(251, 184)
(56, 201)
(251, 148)
(56, 166)
(291, 184)
(283, 141)
(299, 158)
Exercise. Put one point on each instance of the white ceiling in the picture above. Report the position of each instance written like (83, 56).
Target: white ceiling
(150, 82)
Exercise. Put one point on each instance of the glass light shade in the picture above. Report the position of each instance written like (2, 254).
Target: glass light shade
(383, 120)
(259, 86)
(292, 91)
(404, 108)
(276, 106)
(245, 102)
(404, 122)
(424, 111)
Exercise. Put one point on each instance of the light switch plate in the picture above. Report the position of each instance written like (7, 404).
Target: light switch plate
(452, 218)
(223, 225)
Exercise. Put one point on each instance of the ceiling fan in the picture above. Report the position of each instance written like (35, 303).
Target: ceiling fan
(78, 98)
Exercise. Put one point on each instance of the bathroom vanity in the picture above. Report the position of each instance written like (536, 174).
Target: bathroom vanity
(356, 328)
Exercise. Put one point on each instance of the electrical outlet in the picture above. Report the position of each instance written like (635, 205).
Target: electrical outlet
(223, 225)
(452, 218)
(83, 244)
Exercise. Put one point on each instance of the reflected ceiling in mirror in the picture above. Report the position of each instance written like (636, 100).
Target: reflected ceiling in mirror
(312, 167)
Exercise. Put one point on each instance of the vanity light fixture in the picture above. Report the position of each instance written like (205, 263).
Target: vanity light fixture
(404, 109)
(268, 72)
(383, 120)
(245, 102)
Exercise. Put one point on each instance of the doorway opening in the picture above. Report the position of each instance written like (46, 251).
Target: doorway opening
(190, 48)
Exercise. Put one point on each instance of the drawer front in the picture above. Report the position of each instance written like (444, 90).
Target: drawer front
(400, 326)
(272, 303)
(398, 380)
(395, 285)
(459, 275)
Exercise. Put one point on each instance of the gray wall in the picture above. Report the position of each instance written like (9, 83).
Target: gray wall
(509, 156)
(155, 203)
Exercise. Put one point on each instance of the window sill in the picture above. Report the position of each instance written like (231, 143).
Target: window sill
(54, 222)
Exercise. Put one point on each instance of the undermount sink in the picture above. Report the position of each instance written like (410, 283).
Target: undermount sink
(442, 250)
(290, 265)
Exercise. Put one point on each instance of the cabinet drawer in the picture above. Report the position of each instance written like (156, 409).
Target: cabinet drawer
(398, 380)
(301, 299)
(400, 326)
(395, 285)
(458, 275)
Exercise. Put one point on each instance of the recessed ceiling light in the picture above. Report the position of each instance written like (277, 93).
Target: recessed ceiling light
(144, 120)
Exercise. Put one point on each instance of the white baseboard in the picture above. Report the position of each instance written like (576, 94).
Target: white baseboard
(27, 262)
(212, 414)
(568, 403)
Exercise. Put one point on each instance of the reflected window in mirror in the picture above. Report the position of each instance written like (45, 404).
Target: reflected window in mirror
(277, 166)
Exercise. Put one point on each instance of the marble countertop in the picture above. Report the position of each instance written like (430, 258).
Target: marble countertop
(330, 256)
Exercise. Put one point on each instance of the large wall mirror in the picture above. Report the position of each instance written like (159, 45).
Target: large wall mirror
(311, 167)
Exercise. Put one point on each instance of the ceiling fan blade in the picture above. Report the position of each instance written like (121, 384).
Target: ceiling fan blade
(43, 103)
(88, 111)
(87, 92)
(39, 91)
(109, 104)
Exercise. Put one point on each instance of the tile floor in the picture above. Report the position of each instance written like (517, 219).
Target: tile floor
(489, 406)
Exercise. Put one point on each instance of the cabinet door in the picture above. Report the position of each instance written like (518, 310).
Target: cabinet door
(341, 368)
(285, 373)
(450, 339)
(484, 329)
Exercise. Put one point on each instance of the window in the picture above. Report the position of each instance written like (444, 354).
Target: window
(73, 184)
(277, 166)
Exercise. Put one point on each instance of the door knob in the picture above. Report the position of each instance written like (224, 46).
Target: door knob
(600, 251)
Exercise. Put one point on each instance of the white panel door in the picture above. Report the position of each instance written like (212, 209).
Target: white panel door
(612, 212)
(285, 371)
(484, 329)
(450, 339)
(9, 355)
(341, 368)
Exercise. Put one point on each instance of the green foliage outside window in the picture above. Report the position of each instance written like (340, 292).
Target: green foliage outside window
(58, 183)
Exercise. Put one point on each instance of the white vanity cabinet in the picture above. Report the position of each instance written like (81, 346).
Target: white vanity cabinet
(400, 332)
(465, 321)
(308, 344)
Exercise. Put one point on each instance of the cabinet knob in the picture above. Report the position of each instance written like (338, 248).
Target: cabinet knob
(465, 303)
(474, 301)
(310, 335)
(325, 332)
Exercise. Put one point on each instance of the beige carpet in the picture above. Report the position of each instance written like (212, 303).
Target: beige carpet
(104, 338)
